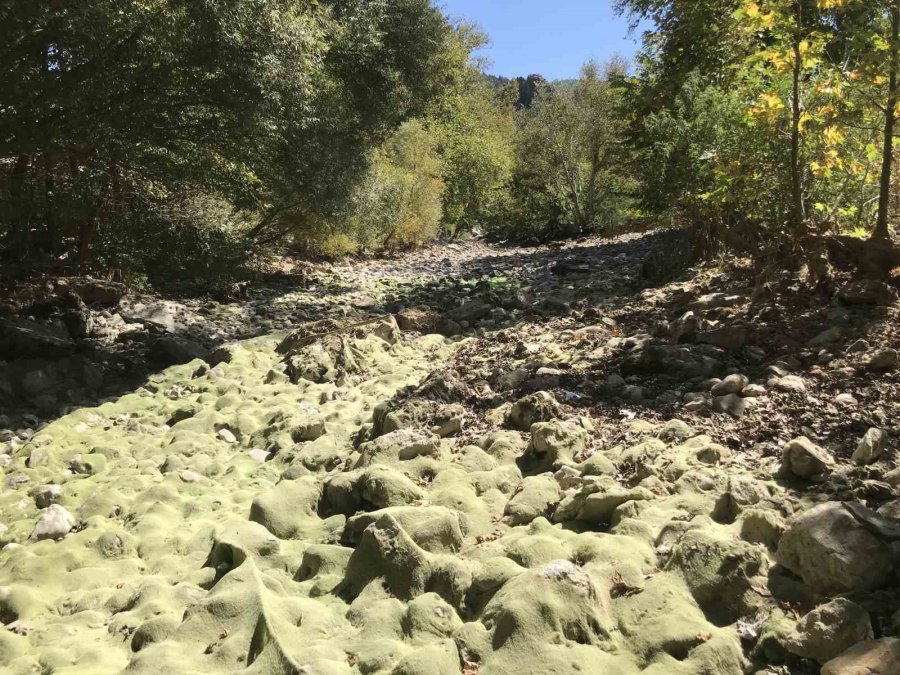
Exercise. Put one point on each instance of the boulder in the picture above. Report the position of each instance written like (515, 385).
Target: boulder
(733, 384)
(867, 292)
(419, 319)
(733, 404)
(171, 350)
(26, 339)
(872, 657)
(870, 447)
(833, 553)
(726, 337)
(537, 407)
(470, 312)
(97, 291)
(55, 523)
(804, 459)
(883, 360)
(557, 442)
(829, 630)
(792, 384)
(534, 498)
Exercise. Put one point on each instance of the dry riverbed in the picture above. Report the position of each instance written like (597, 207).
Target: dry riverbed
(467, 460)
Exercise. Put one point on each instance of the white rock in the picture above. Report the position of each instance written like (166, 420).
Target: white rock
(790, 383)
(870, 447)
(847, 400)
(753, 391)
(54, 523)
(260, 456)
(227, 435)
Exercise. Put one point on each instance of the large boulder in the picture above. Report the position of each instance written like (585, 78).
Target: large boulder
(26, 339)
(171, 350)
(833, 553)
(804, 459)
(870, 447)
(534, 408)
(872, 657)
(829, 630)
(97, 291)
(867, 292)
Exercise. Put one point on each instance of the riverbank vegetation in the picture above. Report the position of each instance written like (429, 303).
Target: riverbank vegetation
(185, 138)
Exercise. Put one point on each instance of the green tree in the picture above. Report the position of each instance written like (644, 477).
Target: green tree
(110, 109)
(571, 142)
(474, 127)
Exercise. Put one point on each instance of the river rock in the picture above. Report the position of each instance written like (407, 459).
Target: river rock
(829, 630)
(870, 447)
(872, 657)
(55, 523)
(537, 407)
(805, 459)
(25, 339)
(733, 384)
(833, 553)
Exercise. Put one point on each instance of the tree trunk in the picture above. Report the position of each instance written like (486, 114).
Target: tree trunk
(890, 119)
(18, 236)
(798, 209)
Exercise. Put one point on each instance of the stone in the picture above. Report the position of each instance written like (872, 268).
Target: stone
(858, 347)
(829, 630)
(845, 400)
(613, 383)
(227, 435)
(804, 459)
(55, 523)
(826, 337)
(867, 292)
(533, 499)
(870, 447)
(170, 350)
(753, 391)
(883, 360)
(557, 442)
(470, 312)
(88, 465)
(793, 384)
(537, 407)
(25, 339)
(833, 553)
(732, 404)
(872, 657)
(733, 384)
(726, 337)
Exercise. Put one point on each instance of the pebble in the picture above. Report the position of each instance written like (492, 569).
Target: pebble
(227, 435)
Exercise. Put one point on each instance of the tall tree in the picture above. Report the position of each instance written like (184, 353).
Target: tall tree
(890, 119)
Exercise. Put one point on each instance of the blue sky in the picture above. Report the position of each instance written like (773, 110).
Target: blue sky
(550, 37)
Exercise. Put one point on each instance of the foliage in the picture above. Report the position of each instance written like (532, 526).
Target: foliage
(473, 124)
(397, 205)
(571, 176)
(764, 121)
(112, 108)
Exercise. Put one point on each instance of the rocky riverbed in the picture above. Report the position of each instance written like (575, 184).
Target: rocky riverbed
(470, 459)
